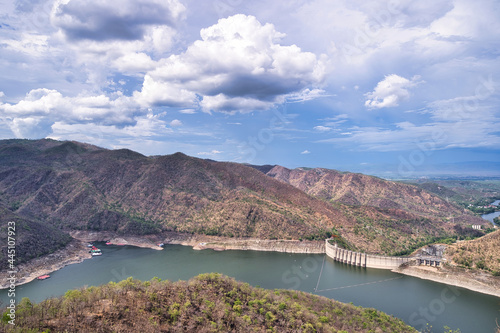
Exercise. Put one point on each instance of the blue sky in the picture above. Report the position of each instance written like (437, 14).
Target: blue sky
(355, 85)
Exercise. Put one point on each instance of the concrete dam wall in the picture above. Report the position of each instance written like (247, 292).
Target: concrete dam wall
(363, 259)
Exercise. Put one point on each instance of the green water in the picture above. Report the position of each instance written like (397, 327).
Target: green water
(415, 301)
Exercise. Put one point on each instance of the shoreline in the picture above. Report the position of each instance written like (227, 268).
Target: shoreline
(479, 282)
(77, 251)
(216, 243)
(73, 253)
(147, 241)
(203, 242)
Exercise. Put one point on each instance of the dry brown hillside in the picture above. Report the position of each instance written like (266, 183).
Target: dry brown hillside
(482, 253)
(76, 186)
(390, 216)
(362, 190)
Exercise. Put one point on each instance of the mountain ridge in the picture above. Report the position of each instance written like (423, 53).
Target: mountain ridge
(125, 181)
(359, 189)
(76, 186)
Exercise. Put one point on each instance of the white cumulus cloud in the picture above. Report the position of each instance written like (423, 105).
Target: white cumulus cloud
(390, 92)
(238, 65)
(134, 62)
(176, 123)
(34, 116)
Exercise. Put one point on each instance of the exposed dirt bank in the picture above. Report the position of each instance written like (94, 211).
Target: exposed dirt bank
(147, 241)
(75, 252)
(481, 282)
(201, 242)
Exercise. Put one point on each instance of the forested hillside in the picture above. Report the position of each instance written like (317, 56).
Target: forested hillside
(207, 303)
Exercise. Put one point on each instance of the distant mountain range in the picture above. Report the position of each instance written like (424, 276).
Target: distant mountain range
(458, 170)
(68, 186)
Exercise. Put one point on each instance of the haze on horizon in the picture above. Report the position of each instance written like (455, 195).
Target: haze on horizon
(401, 85)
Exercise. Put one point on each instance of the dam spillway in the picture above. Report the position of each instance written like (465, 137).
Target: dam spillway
(363, 259)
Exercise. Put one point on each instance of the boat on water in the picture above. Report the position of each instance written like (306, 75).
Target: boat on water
(109, 243)
(43, 277)
(95, 251)
(161, 245)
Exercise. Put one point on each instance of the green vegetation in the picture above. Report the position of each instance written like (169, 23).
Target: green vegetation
(320, 235)
(459, 234)
(340, 241)
(207, 303)
(15, 205)
(482, 206)
(427, 241)
(389, 236)
(137, 223)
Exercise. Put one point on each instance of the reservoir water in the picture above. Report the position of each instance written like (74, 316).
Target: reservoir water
(415, 301)
(491, 216)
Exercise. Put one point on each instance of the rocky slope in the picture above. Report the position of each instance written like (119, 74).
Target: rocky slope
(74, 186)
(389, 215)
(361, 190)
